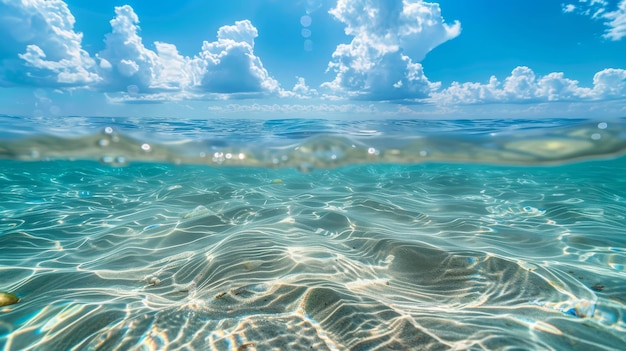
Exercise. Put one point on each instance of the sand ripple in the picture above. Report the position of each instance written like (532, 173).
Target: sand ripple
(422, 257)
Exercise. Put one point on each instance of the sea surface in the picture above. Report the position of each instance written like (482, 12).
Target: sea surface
(161, 234)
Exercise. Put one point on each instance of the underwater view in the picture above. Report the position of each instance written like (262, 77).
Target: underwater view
(312, 235)
(280, 175)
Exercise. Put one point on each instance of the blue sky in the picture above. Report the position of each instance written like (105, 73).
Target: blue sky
(314, 58)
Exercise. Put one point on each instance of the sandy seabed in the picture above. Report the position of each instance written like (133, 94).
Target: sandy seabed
(434, 256)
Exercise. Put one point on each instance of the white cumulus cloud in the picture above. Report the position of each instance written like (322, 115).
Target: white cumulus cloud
(40, 47)
(522, 86)
(229, 65)
(125, 62)
(301, 90)
(388, 37)
(609, 83)
(222, 67)
(127, 65)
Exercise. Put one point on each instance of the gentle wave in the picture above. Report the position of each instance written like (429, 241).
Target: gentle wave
(311, 144)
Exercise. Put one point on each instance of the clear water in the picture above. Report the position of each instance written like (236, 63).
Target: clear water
(125, 234)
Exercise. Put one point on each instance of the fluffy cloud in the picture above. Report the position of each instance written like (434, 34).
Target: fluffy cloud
(41, 48)
(388, 35)
(39, 34)
(125, 63)
(381, 62)
(229, 65)
(613, 17)
(301, 90)
(524, 86)
(225, 66)
(609, 84)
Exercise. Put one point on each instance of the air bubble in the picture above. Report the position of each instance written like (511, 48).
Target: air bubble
(103, 142)
(132, 89)
(596, 136)
(308, 45)
(218, 157)
(146, 147)
(120, 160)
(110, 160)
(373, 151)
(602, 125)
(306, 20)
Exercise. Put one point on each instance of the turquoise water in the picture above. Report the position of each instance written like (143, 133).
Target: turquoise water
(129, 234)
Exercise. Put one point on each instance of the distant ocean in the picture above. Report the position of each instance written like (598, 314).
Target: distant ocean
(294, 234)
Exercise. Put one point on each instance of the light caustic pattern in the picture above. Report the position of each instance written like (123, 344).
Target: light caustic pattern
(440, 256)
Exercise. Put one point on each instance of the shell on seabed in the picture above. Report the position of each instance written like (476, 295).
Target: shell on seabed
(8, 299)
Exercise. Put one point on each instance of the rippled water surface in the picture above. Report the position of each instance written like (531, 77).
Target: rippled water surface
(313, 235)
